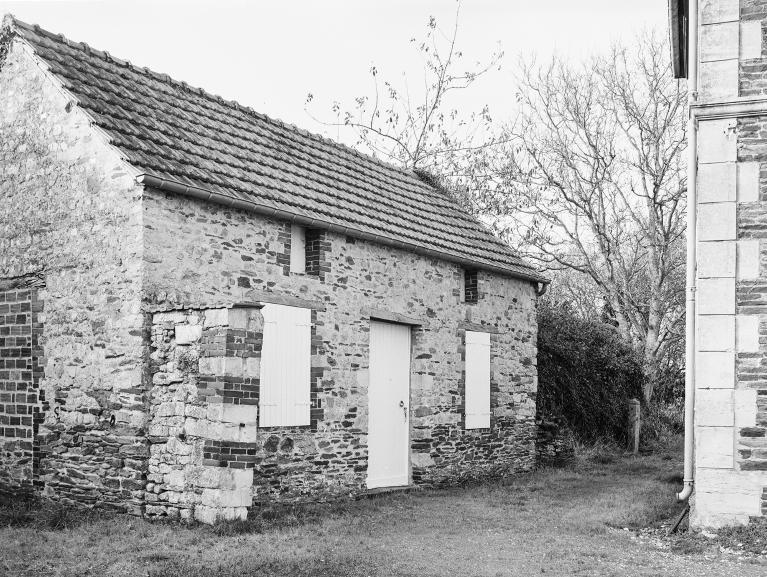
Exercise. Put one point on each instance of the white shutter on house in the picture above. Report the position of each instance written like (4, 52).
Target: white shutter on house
(297, 248)
(285, 366)
(477, 370)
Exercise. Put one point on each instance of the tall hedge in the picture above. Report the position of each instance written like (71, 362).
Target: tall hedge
(586, 374)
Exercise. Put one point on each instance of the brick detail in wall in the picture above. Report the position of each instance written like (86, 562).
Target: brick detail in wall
(317, 247)
(319, 386)
(470, 286)
(21, 400)
(230, 342)
(230, 454)
(284, 237)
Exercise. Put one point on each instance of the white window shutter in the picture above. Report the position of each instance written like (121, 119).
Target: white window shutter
(285, 392)
(297, 248)
(477, 390)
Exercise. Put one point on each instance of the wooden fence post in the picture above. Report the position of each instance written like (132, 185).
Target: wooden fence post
(634, 424)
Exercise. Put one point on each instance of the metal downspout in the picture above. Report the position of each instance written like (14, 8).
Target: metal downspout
(692, 208)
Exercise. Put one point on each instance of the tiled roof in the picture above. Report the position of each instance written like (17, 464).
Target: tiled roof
(183, 135)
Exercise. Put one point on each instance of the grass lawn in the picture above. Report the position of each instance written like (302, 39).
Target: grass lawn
(574, 521)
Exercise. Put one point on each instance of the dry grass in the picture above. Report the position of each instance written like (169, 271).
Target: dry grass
(555, 522)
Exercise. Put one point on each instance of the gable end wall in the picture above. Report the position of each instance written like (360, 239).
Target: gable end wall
(70, 219)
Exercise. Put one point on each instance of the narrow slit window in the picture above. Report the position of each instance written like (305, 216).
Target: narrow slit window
(477, 380)
(297, 248)
(470, 286)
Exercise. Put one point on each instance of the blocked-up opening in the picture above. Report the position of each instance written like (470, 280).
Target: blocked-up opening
(297, 248)
(314, 248)
(470, 286)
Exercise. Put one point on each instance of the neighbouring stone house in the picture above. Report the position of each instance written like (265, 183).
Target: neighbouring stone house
(729, 121)
(203, 309)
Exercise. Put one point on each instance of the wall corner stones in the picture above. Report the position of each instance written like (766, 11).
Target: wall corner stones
(204, 413)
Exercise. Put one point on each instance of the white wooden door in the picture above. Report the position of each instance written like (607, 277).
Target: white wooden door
(389, 405)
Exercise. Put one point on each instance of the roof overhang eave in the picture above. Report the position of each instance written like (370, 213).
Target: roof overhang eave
(175, 187)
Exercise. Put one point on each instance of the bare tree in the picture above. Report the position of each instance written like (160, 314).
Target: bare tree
(594, 183)
(420, 127)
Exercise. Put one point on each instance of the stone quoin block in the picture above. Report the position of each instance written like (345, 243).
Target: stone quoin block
(717, 182)
(750, 39)
(717, 141)
(714, 408)
(748, 181)
(188, 334)
(716, 221)
(716, 259)
(718, 79)
(719, 41)
(716, 296)
(747, 333)
(715, 370)
(716, 333)
(724, 500)
(714, 447)
(744, 407)
(717, 11)
(749, 258)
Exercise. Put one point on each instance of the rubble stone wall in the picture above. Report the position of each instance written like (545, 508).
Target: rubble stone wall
(201, 256)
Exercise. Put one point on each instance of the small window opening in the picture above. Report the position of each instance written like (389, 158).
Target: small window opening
(297, 248)
(470, 286)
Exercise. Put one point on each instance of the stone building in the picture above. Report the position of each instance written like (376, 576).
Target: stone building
(203, 309)
(725, 58)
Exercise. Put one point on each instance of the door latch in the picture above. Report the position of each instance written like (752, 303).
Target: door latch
(404, 409)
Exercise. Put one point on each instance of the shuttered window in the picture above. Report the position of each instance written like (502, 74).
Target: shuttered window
(477, 380)
(285, 366)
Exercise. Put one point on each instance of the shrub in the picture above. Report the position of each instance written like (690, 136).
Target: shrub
(586, 374)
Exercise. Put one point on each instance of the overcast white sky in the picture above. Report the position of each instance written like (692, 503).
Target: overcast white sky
(270, 54)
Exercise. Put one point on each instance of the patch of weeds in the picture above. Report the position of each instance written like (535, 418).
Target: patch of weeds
(751, 538)
(46, 515)
(688, 543)
(237, 527)
(638, 467)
